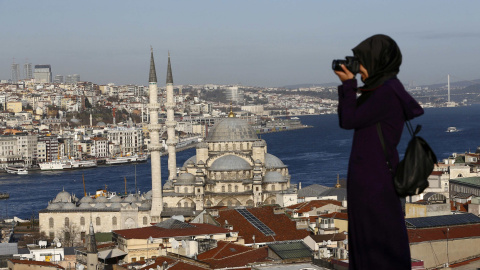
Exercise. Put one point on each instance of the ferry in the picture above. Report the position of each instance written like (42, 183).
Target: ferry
(452, 129)
(55, 165)
(126, 159)
(16, 170)
(79, 164)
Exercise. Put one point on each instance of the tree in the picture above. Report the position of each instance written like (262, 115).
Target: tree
(70, 235)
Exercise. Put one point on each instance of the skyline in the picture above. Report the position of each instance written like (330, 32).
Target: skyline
(254, 43)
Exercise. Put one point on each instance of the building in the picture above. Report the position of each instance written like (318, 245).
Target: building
(129, 140)
(233, 94)
(58, 79)
(27, 70)
(47, 148)
(43, 74)
(14, 106)
(14, 264)
(469, 185)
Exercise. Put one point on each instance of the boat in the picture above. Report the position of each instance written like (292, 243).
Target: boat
(55, 165)
(4, 195)
(126, 159)
(16, 170)
(79, 164)
(452, 129)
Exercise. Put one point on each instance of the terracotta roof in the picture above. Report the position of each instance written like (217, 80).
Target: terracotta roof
(325, 237)
(47, 264)
(284, 228)
(336, 215)
(437, 173)
(311, 205)
(157, 232)
(239, 259)
(173, 264)
(431, 234)
(223, 249)
(462, 207)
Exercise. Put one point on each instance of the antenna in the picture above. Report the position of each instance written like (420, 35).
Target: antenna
(125, 184)
(448, 86)
(84, 190)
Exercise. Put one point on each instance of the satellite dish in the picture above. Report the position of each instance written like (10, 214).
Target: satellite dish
(345, 241)
(179, 218)
(324, 242)
(329, 242)
(59, 244)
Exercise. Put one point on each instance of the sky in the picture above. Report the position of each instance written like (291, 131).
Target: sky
(248, 42)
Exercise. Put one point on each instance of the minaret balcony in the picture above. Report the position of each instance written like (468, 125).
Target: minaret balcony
(154, 127)
(154, 106)
(170, 124)
(155, 147)
(171, 143)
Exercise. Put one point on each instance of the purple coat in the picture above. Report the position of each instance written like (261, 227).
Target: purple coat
(377, 234)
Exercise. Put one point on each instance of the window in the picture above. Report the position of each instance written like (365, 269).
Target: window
(82, 221)
(185, 204)
(98, 221)
(229, 188)
(273, 187)
(134, 259)
(223, 188)
(236, 188)
(50, 223)
(185, 190)
(256, 188)
(67, 222)
(51, 235)
(145, 220)
(142, 258)
(114, 221)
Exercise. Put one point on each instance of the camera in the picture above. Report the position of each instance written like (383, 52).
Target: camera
(350, 62)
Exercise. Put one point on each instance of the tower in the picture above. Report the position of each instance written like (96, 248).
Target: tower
(92, 253)
(155, 147)
(15, 72)
(170, 123)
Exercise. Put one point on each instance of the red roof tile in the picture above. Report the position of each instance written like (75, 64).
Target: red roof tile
(173, 264)
(240, 259)
(430, 234)
(284, 227)
(224, 249)
(311, 205)
(157, 232)
(437, 173)
(336, 215)
(47, 264)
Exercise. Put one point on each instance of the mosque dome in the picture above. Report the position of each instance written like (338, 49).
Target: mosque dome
(230, 163)
(84, 206)
(100, 206)
(231, 129)
(191, 160)
(273, 162)
(86, 199)
(101, 199)
(54, 206)
(274, 177)
(148, 195)
(131, 198)
(168, 185)
(101, 124)
(69, 206)
(116, 205)
(146, 206)
(116, 199)
(185, 179)
(63, 196)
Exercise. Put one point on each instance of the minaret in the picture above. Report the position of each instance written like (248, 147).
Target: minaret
(91, 121)
(155, 147)
(170, 123)
(92, 253)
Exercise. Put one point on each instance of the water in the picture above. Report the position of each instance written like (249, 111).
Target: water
(313, 155)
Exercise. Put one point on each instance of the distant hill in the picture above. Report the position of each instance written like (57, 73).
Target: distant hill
(458, 84)
(304, 85)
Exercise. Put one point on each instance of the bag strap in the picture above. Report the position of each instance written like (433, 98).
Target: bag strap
(382, 141)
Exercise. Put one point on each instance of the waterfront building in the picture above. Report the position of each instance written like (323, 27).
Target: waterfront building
(47, 148)
(43, 74)
(130, 140)
(99, 147)
(8, 151)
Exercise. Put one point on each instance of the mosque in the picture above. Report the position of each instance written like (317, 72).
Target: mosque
(231, 168)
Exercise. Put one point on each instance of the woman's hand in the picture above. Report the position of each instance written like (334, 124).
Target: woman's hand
(345, 74)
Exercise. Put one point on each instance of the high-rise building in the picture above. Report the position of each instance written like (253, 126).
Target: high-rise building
(234, 94)
(15, 72)
(72, 79)
(58, 79)
(27, 70)
(43, 74)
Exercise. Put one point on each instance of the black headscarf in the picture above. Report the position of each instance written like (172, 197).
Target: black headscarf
(380, 55)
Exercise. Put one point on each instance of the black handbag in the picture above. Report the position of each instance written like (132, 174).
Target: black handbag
(411, 176)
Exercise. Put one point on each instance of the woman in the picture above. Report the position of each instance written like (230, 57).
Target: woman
(377, 234)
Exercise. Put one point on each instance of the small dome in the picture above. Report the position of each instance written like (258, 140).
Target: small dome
(258, 161)
(148, 195)
(185, 179)
(273, 162)
(86, 199)
(274, 177)
(259, 143)
(63, 196)
(115, 199)
(131, 198)
(54, 206)
(146, 205)
(116, 205)
(101, 199)
(230, 163)
(231, 129)
(101, 124)
(69, 206)
(100, 206)
(168, 185)
(192, 159)
(84, 206)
